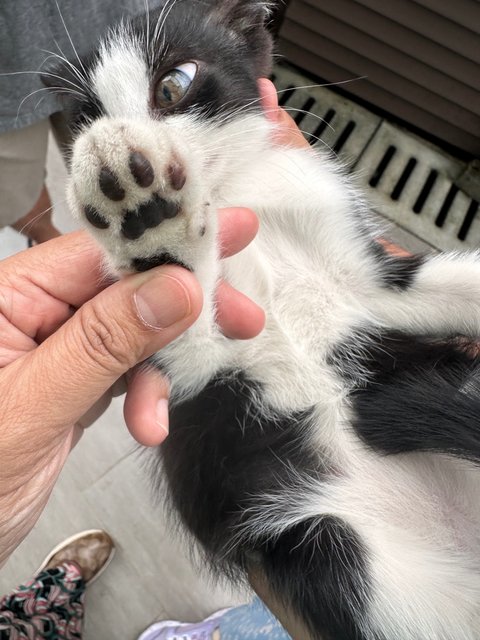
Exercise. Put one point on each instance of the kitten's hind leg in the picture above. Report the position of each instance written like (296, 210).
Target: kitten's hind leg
(441, 296)
(416, 394)
(315, 576)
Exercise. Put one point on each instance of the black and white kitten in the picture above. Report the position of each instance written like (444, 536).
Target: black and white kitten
(337, 451)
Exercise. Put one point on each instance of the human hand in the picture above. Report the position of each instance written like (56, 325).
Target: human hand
(287, 132)
(66, 338)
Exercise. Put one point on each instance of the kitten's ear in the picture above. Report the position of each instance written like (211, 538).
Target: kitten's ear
(248, 18)
(242, 15)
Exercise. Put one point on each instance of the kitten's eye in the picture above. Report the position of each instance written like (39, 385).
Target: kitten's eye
(174, 85)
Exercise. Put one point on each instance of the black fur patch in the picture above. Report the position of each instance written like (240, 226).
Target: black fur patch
(321, 568)
(231, 45)
(397, 272)
(222, 452)
(422, 395)
(145, 264)
(221, 456)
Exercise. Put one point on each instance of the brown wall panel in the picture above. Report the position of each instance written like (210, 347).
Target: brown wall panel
(421, 65)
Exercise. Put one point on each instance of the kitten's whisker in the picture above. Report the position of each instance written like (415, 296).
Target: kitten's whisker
(157, 26)
(69, 37)
(65, 90)
(232, 115)
(39, 103)
(41, 73)
(309, 113)
(162, 28)
(240, 134)
(147, 31)
(162, 18)
(294, 88)
(75, 71)
(63, 79)
(33, 221)
(320, 86)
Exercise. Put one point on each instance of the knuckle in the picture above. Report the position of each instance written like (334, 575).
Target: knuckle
(106, 341)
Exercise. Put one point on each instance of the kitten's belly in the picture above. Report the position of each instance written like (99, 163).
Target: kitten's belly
(308, 313)
(419, 512)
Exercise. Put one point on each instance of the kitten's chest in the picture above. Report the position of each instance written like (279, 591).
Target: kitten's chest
(308, 297)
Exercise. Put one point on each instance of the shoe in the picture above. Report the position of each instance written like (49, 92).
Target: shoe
(92, 551)
(174, 630)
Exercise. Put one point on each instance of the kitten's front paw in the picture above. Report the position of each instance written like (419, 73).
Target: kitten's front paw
(140, 197)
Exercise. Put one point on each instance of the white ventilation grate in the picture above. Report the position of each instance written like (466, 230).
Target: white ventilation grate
(408, 180)
(331, 121)
(413, 183)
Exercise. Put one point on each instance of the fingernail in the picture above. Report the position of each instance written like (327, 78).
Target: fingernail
(162, 301)
(162, 415)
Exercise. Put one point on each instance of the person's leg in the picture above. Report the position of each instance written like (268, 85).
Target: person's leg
(248, 622)
(37, 223)
(51, 605)
(290, 622)
(24, 200)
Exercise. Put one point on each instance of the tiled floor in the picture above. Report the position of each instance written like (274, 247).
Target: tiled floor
(104, 485)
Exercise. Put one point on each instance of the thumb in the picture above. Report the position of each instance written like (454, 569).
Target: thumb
(120, 327)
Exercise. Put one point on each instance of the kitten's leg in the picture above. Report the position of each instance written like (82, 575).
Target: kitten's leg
(440, 296)
(325, 216)
(144, 196)
(413, 394)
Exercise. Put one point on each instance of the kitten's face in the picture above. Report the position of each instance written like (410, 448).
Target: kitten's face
(201, 56)
(166, 118)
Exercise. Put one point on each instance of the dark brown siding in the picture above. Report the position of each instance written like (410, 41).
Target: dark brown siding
(419, 59)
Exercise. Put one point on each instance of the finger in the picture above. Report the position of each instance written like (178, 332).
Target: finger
(269, 99)
(39, 289)
(393, 249)
(146, 406)
(30, 312)
(53, 267)
(13, 342)
(237, 228)
(111, 333)
(287, 133)
(238, 316)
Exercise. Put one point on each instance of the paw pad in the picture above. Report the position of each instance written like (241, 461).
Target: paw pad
(148, 216)
(141, 169)
(110, 186)
(95, 219)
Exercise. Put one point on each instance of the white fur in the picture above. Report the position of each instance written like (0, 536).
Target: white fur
(417, 515)
(121, 77)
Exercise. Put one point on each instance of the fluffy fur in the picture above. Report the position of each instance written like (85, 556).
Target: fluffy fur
(337, 451)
